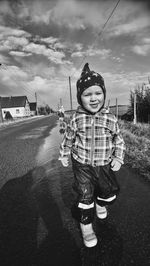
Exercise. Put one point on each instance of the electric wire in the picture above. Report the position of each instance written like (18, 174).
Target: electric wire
(97, 37)
(26, 88)
(99, 34)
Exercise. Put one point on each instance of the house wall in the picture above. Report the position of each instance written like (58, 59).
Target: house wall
(33, 113)
(27, 109)
(17, 111)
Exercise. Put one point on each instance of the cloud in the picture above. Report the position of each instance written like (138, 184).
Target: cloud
(50, 90)
(17, 42)
(133, 26)
(15, 80)
(8, 31)
(146, 40)
(119, 85)
(14, 72)
(143, 48)
(38, 49)
(19, 54)
(129, 80)
(58, 34)
(49, 40)
(51, 83)
(81, 13)
(4, 59)
(91, 51)
(78, 15)
(130, 18)
(13, 43)
(12, 39)
(5, 8)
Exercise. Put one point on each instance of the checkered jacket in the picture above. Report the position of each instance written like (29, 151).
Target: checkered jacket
(93, 139)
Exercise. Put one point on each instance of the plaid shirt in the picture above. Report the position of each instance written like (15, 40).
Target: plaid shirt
(93, 139)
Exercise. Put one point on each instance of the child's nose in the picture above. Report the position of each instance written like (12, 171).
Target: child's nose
(93, 97)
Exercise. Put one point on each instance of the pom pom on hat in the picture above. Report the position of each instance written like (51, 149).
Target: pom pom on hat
(87, 79)
(85, 69)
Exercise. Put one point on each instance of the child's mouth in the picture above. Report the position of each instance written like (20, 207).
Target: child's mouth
(95, 105)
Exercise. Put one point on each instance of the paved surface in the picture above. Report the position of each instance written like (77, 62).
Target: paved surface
(36, 224)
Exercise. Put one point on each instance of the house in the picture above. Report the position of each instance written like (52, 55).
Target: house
(17, 106)
(33, 108)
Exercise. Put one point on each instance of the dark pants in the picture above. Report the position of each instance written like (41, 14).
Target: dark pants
(92, 183)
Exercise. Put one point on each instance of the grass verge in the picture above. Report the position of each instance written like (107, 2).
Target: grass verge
(137, 139)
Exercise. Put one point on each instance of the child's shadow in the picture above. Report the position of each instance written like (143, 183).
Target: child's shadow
(23, 201)
(109, 249)
(58, 248)
(18, 222)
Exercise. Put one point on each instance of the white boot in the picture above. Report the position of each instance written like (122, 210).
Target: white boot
(89, 237)
(101, 211)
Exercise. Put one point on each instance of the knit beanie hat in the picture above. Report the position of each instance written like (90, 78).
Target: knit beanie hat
(87, 79)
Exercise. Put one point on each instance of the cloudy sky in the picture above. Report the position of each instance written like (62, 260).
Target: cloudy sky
(42, 43)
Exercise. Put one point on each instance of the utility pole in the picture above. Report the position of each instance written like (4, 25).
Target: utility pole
(1, 116)
(135, 118)
(70, 93)
(36, 103)
(116, 108)
(108, 105)
(60, 102)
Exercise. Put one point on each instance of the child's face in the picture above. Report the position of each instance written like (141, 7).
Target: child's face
(92, 98)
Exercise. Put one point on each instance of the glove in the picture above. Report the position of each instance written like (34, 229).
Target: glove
(64, 161)
(115, 165)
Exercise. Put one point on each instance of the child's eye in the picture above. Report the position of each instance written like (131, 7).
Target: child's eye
(87, 94)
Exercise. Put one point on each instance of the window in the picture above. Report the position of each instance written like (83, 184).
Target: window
(17, 111)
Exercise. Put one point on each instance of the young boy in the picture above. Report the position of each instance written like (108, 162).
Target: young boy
(97, 150)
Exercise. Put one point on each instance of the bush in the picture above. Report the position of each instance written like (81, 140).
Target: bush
(137, 139)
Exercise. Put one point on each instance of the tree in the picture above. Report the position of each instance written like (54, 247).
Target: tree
(142, 102)
(45, 110)
(41, 110)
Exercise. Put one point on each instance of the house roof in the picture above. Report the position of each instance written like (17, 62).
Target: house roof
(33, 106)
(13, 101)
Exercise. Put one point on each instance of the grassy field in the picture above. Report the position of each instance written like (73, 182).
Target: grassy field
(137, 139)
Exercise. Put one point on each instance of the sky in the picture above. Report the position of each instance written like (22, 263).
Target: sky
(43, 43)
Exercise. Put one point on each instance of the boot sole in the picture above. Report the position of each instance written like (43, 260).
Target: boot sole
(90, 244)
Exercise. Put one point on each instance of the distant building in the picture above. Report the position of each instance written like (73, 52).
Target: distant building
(17, 106)
(33, 108)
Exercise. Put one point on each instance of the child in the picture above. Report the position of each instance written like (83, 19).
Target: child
(61, 114)
(97, 150)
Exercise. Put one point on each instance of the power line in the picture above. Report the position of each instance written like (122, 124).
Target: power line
(100, 33)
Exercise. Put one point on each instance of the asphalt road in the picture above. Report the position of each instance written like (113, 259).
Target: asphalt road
(36, 199)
